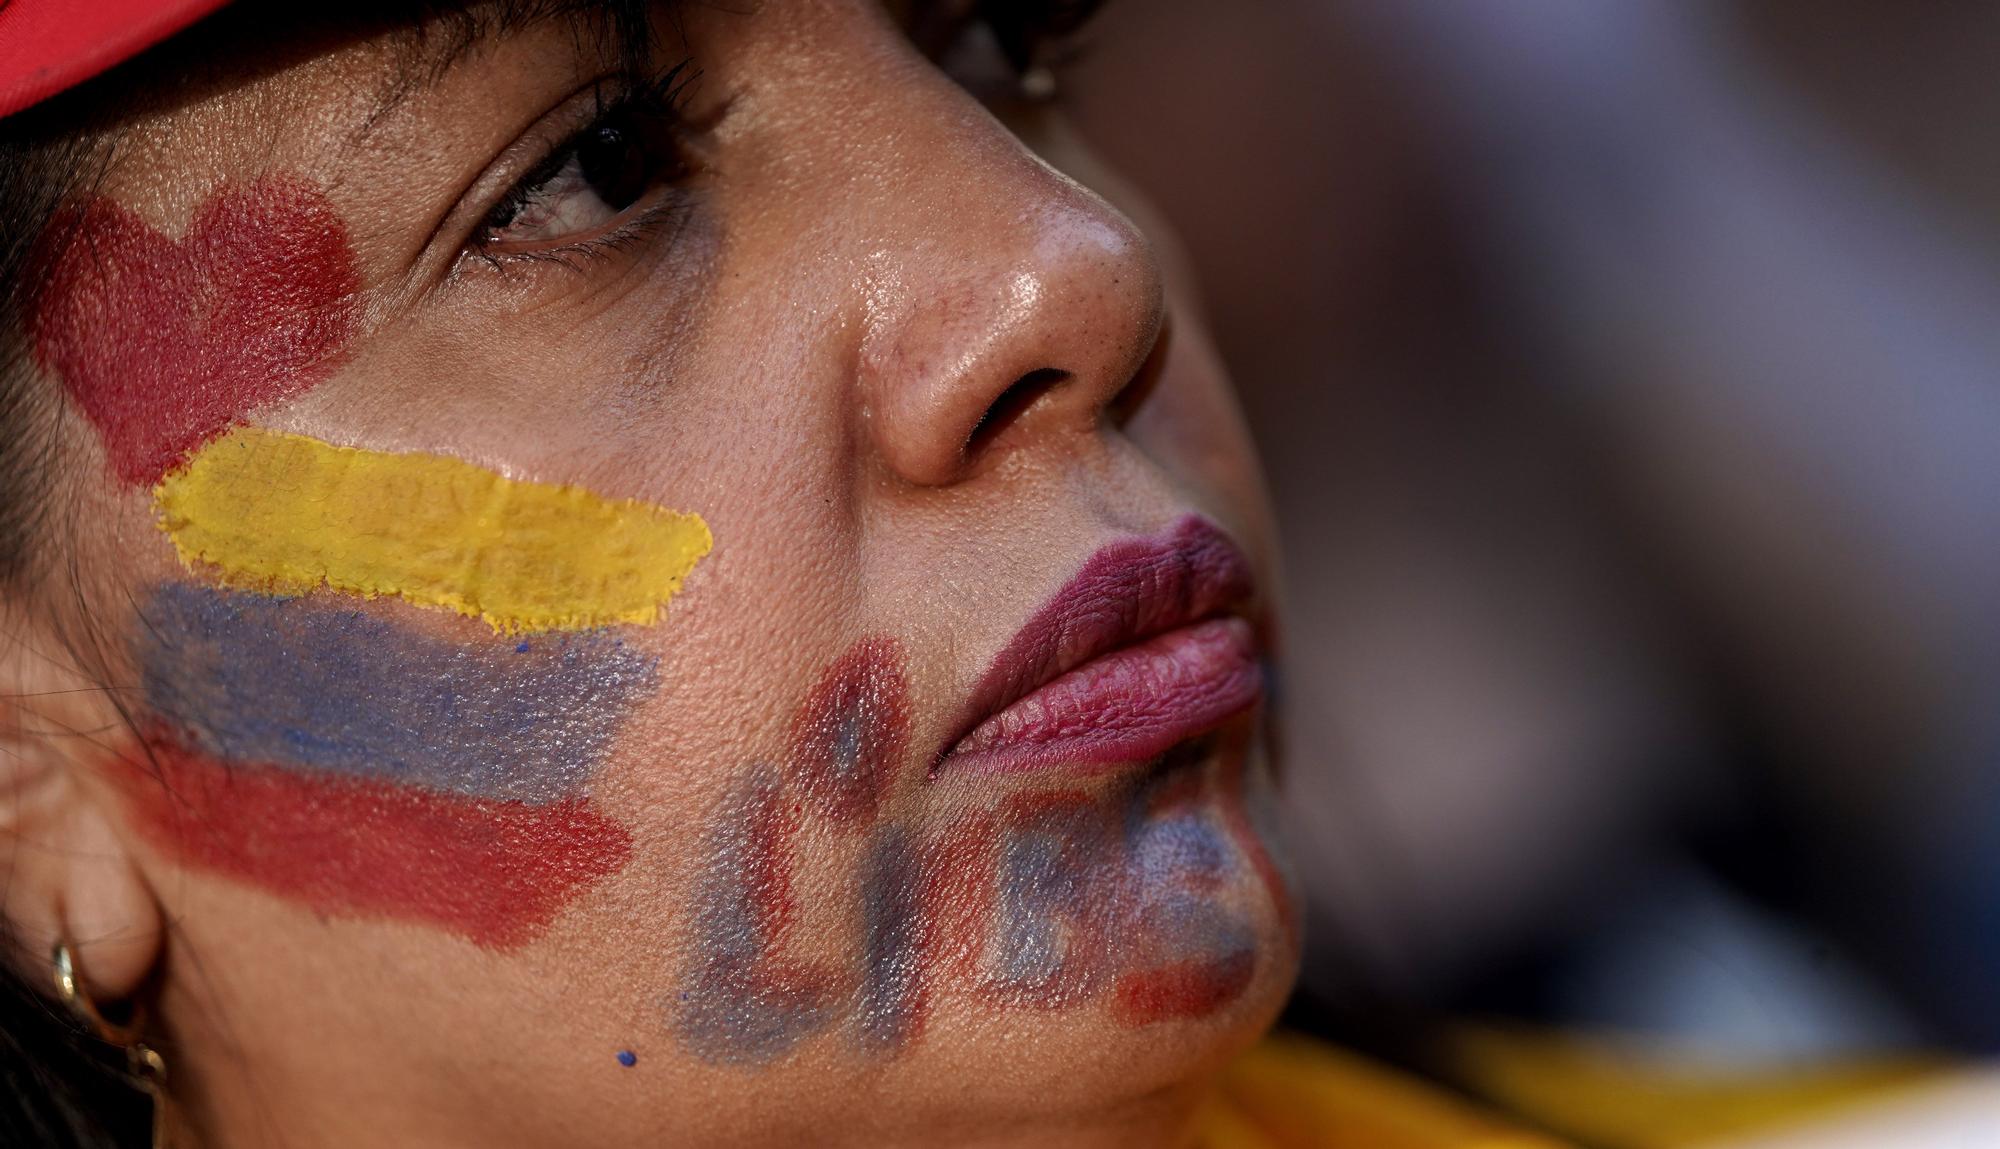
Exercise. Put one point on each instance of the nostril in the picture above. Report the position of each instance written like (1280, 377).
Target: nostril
(1011, 405)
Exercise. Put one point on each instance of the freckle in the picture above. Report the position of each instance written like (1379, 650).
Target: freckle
(627, 1058)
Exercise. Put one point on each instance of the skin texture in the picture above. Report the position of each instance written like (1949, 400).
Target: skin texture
(289, 515)
(714, 892)
(163, 343)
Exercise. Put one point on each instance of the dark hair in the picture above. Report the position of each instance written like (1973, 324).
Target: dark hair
(39, 168)
(59, 1085)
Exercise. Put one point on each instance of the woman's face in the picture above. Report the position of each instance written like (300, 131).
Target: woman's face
(710, 607)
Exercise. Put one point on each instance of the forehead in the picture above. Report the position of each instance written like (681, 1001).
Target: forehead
(397, 47)
(256, 89)
(345, 95)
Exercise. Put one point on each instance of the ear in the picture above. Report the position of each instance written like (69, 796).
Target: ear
(66, 872)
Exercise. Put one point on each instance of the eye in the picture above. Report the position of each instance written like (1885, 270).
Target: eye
(582, 190)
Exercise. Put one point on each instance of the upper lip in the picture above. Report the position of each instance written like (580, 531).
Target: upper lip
(1128, 591)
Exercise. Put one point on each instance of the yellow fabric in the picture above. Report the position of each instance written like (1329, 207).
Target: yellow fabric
(1294, 1093)
(1620, 1095)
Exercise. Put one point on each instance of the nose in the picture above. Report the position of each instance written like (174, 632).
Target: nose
(1020, 309)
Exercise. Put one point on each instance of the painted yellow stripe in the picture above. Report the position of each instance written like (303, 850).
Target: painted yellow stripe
(270, 511)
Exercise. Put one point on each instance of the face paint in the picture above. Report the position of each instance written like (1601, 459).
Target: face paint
(891, 1007)
(316, 687)
(849, 735)
(287, 514)
(959, 897)
(1250, 808)
(1049, 901)
(1178, 859)
(495, 872)
(335, 758)
(744, 1003)
(1138, 910)
(164, 344)
(1193, 988)
(1049, 949)
(927, 906)
(326, 755)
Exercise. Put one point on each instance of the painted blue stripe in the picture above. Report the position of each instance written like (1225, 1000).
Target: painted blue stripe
(306, 683)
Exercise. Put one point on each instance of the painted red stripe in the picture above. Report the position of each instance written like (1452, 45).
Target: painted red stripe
(1184, 989)
(495, 872)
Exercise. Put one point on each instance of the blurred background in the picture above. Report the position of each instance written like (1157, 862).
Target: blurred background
(1628, 376)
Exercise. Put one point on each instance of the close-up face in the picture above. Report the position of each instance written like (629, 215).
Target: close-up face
(661, 577)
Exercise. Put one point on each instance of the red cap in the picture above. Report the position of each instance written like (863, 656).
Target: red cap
(49, 45)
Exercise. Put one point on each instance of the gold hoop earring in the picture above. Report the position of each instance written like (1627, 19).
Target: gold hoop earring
(142, 1061)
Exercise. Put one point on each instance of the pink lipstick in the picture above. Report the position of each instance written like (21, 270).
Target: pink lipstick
(1145, 647)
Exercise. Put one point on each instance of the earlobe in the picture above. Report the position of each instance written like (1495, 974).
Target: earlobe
(70, 874)
(75, 884)
(108, 914)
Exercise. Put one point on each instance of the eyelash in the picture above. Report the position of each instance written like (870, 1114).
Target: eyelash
(650, 105)
(656, 101)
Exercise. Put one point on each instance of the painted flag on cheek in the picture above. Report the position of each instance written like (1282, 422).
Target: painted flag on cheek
(345, 758)
(364, 769)
(364, 765)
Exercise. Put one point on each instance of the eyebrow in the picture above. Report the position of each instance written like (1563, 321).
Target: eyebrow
(440, 36)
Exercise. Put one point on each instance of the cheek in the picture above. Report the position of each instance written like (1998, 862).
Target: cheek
(366, 769)
(164, 344)
(292, 515)
(747, 998)
(393, 762)
(1148, 901)
(1193, 428)
(387, 762)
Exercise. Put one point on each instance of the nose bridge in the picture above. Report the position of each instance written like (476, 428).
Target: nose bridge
(990, 271)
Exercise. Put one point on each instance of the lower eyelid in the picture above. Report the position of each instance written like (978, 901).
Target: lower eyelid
(662, 209)
(667, 164)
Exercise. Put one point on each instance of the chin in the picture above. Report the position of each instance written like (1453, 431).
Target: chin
(1144, 932)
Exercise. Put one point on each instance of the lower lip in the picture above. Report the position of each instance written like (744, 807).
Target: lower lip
(1123, 707)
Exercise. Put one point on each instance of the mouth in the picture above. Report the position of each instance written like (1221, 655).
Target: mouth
(1144, 648)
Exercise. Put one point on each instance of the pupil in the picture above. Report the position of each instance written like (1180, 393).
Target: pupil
(614, 166)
